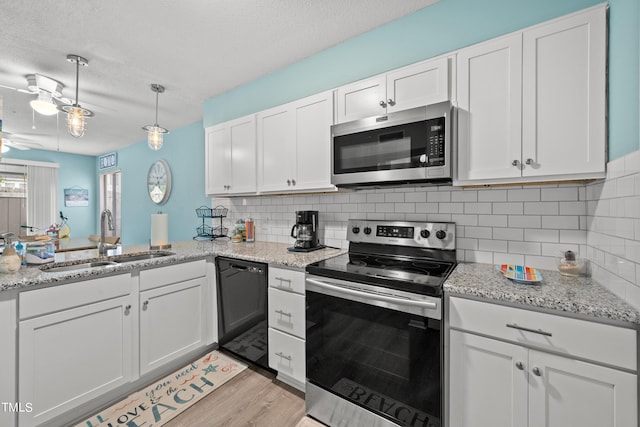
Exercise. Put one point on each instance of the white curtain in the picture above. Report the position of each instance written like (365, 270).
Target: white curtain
(42, 197)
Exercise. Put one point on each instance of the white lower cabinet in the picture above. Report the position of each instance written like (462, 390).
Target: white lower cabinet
(287, 326)
(504, 384)
(171, 322)
(172, 312)
(75, 344)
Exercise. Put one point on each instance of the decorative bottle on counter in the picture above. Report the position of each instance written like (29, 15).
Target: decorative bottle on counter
(250, 230)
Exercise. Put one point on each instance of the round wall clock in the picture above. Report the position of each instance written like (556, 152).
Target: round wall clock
(159, 182)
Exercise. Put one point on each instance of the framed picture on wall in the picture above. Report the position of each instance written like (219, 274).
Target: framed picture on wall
(76, 197)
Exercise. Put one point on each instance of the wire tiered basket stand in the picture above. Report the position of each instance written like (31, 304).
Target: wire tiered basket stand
(208, 232)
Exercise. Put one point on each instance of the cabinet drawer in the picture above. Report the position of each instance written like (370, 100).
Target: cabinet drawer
(161, 276)
(287, 280)
(601, 343)
(287, 312)
(56, 298)
(286, 354)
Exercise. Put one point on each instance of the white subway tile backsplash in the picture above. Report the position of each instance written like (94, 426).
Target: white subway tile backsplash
(492, 195)
(541, 235)
(493, 220)
(510, 208)
(517, 225)
(541, 208)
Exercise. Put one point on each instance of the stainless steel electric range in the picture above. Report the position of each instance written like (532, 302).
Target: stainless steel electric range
(374, 353)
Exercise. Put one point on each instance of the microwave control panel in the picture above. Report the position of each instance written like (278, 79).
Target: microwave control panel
(435, 150)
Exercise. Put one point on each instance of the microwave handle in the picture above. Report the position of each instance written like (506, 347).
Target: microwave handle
(357, 293)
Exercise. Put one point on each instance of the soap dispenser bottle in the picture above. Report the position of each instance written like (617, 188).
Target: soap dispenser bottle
(10, 261)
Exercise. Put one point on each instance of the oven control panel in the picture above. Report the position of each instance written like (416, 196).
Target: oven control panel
(436, 235)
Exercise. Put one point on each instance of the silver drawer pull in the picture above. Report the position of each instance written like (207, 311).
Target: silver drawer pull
(282, 313)
(535, 331)
(283, 356)
(282, 279)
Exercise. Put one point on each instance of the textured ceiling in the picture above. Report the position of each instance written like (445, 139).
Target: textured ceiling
(197, 49)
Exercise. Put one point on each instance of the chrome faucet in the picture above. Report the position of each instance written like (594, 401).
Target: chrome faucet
(102, 246)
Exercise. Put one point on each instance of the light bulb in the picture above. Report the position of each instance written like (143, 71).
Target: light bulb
(75, 122)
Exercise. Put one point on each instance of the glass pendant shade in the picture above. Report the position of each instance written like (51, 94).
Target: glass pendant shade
(75, 122)
(155, 133)
(44, 104)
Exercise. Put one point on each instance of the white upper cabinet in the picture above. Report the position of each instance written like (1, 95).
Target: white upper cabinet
(426, 82)
(294, 145)
(532, 104)
(489, 109)
(564, 93)
(230, 153)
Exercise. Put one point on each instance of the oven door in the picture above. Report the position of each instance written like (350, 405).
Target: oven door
(372, 359)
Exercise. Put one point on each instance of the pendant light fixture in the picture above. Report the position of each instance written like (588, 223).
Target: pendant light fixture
(75, 113)
(155, 133)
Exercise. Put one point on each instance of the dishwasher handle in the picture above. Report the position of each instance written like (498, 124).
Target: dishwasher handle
(245, 268)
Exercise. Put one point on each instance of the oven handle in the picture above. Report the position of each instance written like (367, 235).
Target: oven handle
(395, 300)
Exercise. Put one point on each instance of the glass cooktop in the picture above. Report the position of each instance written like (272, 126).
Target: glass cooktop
(419, 275)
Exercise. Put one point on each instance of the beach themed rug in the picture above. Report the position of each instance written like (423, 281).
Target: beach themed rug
(168, 397)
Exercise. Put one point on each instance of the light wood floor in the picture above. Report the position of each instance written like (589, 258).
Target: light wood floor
(253, 398)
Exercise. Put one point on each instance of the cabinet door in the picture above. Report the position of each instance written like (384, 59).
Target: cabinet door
(70, 357)
(424, 83)
(564, 96)
(276, 149)
(218, 160)
(486, 385)
(171, 322)
(242, 134)
(362, 99)
(287, 355)
(490, 105)
(567, 392)
(313, 120)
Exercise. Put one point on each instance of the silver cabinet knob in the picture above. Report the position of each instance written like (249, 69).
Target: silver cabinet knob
(529, 161)
(391, 102)
(293, 182)
(537, 372)
(145, 305)
(515, 163)
(520, 365)
(127, 307)
(289, 182)
(383, 104)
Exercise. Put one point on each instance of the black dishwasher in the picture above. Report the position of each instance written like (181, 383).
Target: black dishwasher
(242, 309)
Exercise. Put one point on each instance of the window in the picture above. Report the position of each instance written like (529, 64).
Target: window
(110, 195)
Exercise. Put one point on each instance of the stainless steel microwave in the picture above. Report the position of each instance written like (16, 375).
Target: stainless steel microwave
(407, 147)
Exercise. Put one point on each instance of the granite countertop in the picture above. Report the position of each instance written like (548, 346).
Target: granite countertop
(267, 252)
(574, 295)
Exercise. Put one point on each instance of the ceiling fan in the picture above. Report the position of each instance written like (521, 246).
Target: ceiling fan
(49, 93)
(12, 141)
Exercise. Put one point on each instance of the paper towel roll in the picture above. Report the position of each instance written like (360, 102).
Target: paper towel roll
(159, 230)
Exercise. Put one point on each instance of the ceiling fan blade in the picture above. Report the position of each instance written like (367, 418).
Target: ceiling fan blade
(18, 90)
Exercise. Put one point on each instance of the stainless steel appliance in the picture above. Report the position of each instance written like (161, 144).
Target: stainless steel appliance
(305, 231)
(374, 341)
(242, 309)
(410, 146)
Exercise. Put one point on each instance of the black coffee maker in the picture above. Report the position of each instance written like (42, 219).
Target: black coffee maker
(305, 231)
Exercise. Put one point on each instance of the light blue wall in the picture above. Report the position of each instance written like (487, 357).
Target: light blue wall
(75, 171)
(446, 26)
(183, 149)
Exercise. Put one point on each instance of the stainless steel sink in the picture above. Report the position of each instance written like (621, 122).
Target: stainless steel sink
(112, 260)
(54, 268)
(139, 256)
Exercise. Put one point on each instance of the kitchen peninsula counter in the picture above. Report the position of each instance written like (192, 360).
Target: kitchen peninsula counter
(581, 297)
(267, 252)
